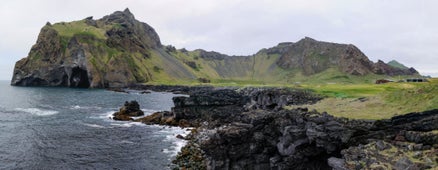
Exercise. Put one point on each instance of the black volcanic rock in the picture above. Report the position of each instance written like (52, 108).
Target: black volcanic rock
(214, 106)
(129, 109)
(277, 98)
(264, 138)
(297, 139)
(274, 140)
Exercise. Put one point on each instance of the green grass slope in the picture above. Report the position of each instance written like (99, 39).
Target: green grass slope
(375, 101)
(396, 64)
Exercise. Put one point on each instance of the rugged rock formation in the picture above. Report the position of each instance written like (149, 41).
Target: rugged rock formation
(109, 52)
(298, 139)
(129, 110)
(386, 69)
(118, 51)
(277, 98)
(274, 140)
(313, 56)
(265, 138)
(213, 108)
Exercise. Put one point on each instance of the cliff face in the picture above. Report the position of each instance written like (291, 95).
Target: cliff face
(313, 56)
(109, 52)
(118, 50)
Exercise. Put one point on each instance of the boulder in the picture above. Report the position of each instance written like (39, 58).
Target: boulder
(128, 110)
(160, 118)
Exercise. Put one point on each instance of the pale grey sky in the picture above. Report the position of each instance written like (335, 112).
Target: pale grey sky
(404, 30)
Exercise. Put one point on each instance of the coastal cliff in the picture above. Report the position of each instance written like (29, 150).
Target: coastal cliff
(119, 51)
(114, 51)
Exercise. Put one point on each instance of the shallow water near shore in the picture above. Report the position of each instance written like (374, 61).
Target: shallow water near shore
(64, 128)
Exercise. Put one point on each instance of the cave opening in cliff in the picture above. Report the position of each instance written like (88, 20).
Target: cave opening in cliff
(79, 78)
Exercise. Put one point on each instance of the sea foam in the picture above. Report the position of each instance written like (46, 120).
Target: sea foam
(171, 134)
(37, 111)
(94, 125)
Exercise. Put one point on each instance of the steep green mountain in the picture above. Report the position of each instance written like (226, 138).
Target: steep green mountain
(118, 50)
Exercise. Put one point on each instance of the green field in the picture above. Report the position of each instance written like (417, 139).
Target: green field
(376, 101)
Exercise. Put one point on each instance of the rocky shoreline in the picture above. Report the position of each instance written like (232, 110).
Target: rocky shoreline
(249, 129)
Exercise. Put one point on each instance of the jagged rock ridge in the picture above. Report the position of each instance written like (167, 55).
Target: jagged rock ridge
(118, 50)
(313, 56)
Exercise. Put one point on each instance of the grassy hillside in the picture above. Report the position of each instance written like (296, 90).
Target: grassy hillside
(257, 70)
(69, 29)
(397, 64)
(372, 101)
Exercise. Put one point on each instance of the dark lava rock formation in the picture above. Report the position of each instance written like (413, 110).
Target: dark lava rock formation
(128, 110)
(247, 129)
(277, 98)
(215, 107)
(299, 139)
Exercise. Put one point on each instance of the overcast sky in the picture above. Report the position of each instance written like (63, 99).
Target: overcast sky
(403, 30)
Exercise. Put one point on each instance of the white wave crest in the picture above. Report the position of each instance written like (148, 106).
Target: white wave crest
(38, 112)
(76, 107)
(127, 124)
(94, 125)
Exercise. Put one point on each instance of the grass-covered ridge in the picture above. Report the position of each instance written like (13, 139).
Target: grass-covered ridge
(372, 101)
(69, 29)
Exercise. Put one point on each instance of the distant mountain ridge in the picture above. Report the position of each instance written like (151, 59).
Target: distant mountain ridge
(118, 50)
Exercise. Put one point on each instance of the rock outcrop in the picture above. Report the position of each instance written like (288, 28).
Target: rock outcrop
(215, 107)
(274, 140)
(313, 57)
(231, 135)
(113, 51)
(127, 111)
(383, 68)
(277, 98)
(119, 51)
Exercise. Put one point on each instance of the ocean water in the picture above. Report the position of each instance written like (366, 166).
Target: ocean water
(65, 128)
